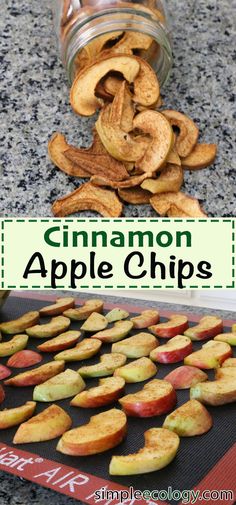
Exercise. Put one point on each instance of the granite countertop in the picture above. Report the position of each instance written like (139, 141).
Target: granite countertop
(34, 94)
(17, 491)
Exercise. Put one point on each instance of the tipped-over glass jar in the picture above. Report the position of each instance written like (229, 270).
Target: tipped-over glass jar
(90, 29)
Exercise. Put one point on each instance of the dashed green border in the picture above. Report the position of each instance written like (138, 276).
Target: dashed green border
(127, 220)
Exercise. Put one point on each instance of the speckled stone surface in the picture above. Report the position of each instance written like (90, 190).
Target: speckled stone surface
(34, 94)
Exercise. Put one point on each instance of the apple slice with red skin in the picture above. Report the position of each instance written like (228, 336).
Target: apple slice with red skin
(160, 449)
(37, 375)
(211, 355)
(83, 350)
(21, 324)
(56, 326)
(103, 432)
(49, 424)
(184, 377)
(116, 333)
(4, 372)
(208, 327)
(138, 346)
(155, 399)
(17, 415)
(176, 325)
(107, 365)
(58, 308)
(2, 394)
(137, 371)
(229, 338)
(145, 319)
(176, 349)
(108, 391)
(95, 322)
(61, 342)
(189, 420)
(24, 359)
(230, 362)
(215, 393)
(226, 373)
(82, 313)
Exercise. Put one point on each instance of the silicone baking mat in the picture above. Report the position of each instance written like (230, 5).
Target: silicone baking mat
(205, 462)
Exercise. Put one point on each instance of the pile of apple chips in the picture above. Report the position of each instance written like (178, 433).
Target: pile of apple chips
(139, 153)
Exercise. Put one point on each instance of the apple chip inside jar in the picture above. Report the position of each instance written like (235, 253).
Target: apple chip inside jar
(162, 203)
(170, 179)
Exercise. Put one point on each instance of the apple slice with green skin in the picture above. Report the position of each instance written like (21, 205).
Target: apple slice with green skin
(137, 371)
(107, 366)
(155, 399)
(56, 326)
(4, 372)
(184, 377)
(229, 362)
(215, 393)
(208, 327)
(176, 349)
(226, 373)
(63, 385)
(17, 343)
(13, 417)
(211, 355)
(83, 350)
(82, 313)
(57, 308)
(24, 359)
(108, 391)
(95, 322)
(49, 424)
(37, 375)
(103, 432)
(138, 346)
(2, 394)
(116, 314)
(229, 338)
(61, 342)
(189, 420)
(21, 324)
(116, 333)
(145, 319)
(176, 325)
(160, 449)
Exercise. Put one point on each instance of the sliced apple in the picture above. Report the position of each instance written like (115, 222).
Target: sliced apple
(160, 449)
(116, 314)
(145, 319)
(103, 432)
(138, 346)
(63, 385)
(56, 326)
(137, 371)
(83, 350)
(49, 424)
(215, 393)
(184, 377)
(4, 372)
(116, 333)
(155, 399)
(211, 355)
(107, 366)
(57, 308)
(37, 375)
(95, 322)
(176, 349)
(82, 313)
(63, 341)
(21, 324)
(229, 338)
(2, 394)
(229, 362)
(108, 391)
(24, 359)
(226, 373)
(208, 327)
(12, 417)
(176, 325)
(189, 420)
(17, 343)
(188, 131)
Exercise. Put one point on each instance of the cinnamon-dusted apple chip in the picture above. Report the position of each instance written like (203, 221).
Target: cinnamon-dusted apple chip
(132, 40)
(89, 197)
(188, 131)
(128, 183)
(122, 109)
(56, 148)
(173, 157)
(135, 195)
(175, 212)
(170, 179)
(190, 206)
(146, 85)
(112, 84)
(201, 156)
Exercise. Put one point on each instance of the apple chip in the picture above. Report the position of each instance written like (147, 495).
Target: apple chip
(190, 206)
(129, 183)
(176, 212)
(96, 46)
(135, 195)
(89, 197)
(98, 164)
(201, 156)
(56, 148)
(132, 40)
(173, 157)
(146, 85)
(188, 131)
(112, 84)
(122, 109)
(170, 179)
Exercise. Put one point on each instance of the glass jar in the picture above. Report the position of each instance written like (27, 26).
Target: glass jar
(88, 29)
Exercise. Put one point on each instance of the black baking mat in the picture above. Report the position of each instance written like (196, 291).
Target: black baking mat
(195, 458)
